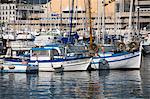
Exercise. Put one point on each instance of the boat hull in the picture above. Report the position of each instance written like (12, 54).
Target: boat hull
(18, 68)
(119, 61)
(73, 65)
(66, 65)
(78, 64)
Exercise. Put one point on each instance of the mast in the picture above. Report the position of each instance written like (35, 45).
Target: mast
(103, 21)
(115, 17)
(138, 19)
(85, 19)
(60, 27)
(130, 19)
(130, 15)
(40, 27)
(90, 23)
(50, 10)
(71, 18)
(99, 21)
(47, 16)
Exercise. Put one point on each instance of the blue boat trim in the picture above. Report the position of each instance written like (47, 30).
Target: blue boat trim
(13, 71)
(117, 60)
(46, 61)
(43, 49)
(18, 71)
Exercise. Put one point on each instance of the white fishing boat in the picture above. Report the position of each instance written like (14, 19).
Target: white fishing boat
(57, 57)
(47, 37)
(9, 35)
(24, 36)
(22, 67)
(117, 60)
(129, 57)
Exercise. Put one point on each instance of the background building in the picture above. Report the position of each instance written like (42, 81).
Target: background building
(37, 15)
(141, 13)
(25, 1)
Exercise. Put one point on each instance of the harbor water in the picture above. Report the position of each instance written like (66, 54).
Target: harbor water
(105, 84)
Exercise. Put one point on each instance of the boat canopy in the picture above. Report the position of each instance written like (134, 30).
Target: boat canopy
(48, 47)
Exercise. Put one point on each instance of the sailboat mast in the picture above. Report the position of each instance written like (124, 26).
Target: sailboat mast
(71, 18)
(130, 19)
(103, 21)
(90, 24)
(60, 27)
(99, 20)
(130, 16)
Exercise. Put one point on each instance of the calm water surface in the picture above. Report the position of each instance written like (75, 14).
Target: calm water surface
(115, 84)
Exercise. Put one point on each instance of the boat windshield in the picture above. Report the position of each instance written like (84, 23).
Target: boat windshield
(54, 52)
(40, 53)
(76, 49)
(109, 48)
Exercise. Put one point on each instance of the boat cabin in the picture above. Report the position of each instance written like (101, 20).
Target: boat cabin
(53, 52)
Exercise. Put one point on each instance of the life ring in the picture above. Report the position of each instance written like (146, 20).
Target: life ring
(11, 67)
(121, 46)
(133, 46)
(1, 67)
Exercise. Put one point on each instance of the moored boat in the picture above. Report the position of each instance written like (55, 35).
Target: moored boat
(23, 67)
(58, 57)
(117, 60)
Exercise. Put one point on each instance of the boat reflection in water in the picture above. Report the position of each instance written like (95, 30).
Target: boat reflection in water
(145, 77)
(83, 85)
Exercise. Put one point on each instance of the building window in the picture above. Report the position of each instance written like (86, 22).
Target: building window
(117, 7)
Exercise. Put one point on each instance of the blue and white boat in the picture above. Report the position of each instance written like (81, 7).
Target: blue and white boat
(20, 67)
(119, 60)
(57, 57)
(65, 58)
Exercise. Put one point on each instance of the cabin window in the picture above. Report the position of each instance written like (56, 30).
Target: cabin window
(40, 53)
(54, 52)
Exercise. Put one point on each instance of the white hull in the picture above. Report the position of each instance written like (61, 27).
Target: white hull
(71, 65)
(19, 68)
(126, 61)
